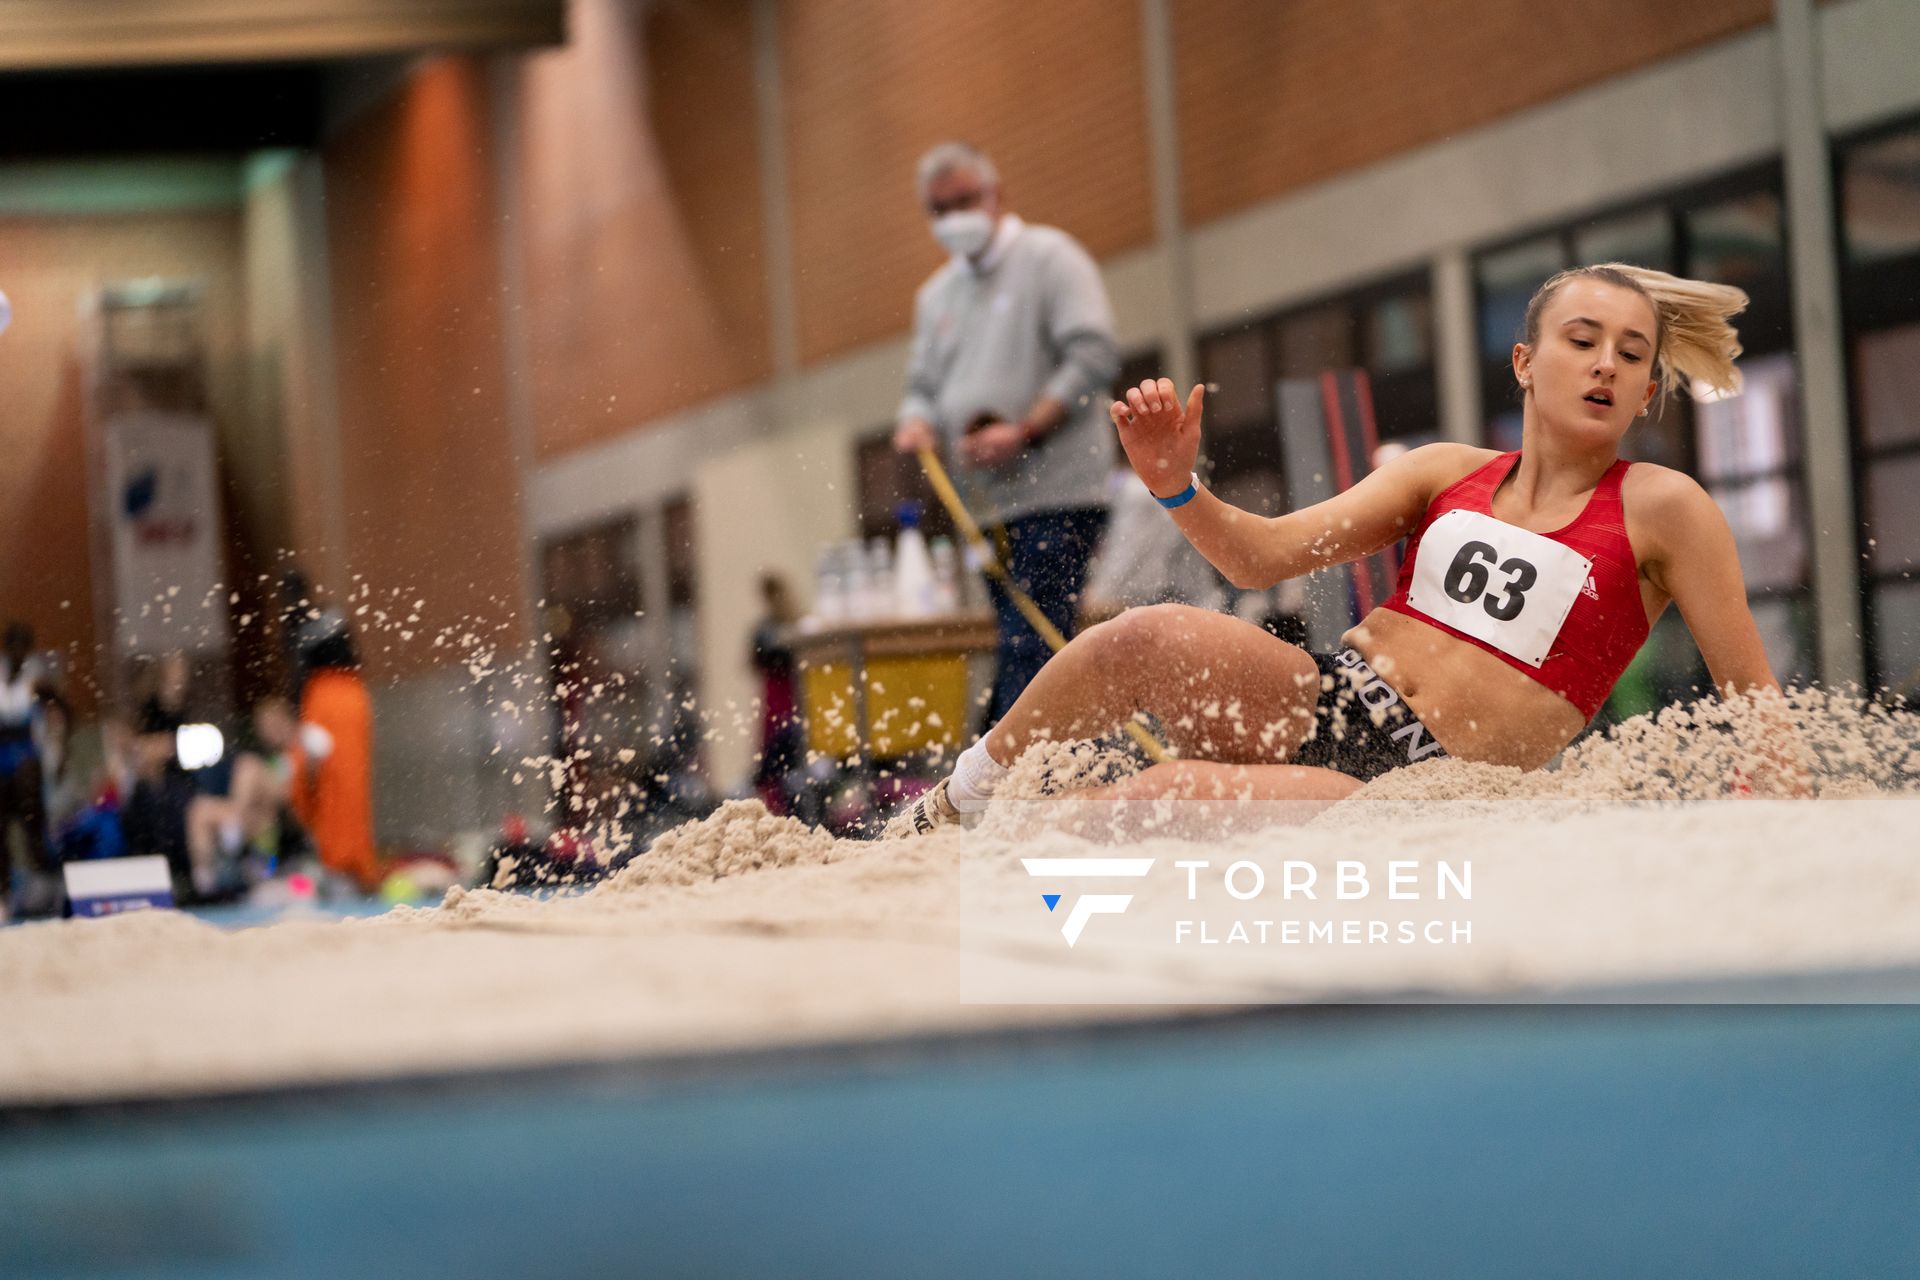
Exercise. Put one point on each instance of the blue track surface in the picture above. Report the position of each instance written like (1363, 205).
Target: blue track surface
(1677, 1141)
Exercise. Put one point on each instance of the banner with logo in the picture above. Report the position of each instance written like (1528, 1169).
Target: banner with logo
(162, 489)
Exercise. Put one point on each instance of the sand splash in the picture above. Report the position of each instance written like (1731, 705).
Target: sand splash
(750, 930)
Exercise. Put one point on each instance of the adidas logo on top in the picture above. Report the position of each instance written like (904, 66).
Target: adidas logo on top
(1590, 590)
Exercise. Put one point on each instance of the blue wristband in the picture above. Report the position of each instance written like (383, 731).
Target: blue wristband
(1183, 497)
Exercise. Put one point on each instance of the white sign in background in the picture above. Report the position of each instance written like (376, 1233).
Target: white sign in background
(114, 886)
(163, 501)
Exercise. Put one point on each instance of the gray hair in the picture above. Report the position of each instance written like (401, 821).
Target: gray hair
(942, 160)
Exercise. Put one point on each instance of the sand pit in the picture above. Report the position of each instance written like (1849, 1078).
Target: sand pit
(750, 931)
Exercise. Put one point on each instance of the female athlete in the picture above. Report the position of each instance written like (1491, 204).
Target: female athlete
(1530, 580)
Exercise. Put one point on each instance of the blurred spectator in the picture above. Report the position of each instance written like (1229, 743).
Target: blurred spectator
(63, 789)
(24, 687)
(332, 776)
(237, 839)
(303, 621)
(1013, 352)
(781, 735)
(91, 828)
(154, 820)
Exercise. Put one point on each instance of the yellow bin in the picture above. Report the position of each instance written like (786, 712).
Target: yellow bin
(915, 685)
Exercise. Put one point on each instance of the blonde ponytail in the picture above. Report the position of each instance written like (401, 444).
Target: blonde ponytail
(1696, 341)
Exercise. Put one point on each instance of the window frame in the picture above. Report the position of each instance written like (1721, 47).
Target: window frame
(1259, 434)
(1875, 297)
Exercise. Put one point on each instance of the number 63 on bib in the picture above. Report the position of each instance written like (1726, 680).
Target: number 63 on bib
(1509, 587)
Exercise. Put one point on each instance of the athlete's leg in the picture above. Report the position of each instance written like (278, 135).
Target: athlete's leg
(1223, 689)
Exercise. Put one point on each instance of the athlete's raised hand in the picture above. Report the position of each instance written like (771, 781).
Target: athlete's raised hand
(1161, 437)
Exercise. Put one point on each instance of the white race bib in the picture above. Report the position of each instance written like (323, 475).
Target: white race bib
(1497, 582)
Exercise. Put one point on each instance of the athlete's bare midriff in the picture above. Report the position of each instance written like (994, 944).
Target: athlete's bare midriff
(1475, 705)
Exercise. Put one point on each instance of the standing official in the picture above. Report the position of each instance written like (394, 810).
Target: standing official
(1013, 356)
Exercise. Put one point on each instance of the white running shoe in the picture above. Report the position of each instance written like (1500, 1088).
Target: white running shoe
(926, 815)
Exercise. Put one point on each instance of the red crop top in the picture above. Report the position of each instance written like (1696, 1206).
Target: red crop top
(1607, 621)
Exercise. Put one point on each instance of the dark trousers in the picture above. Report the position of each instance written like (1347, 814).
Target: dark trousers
(1046, 554)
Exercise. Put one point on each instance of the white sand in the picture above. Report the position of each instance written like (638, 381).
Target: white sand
(750, 931)
(868, 946)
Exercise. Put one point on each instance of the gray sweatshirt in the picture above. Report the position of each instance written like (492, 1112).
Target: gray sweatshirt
(1030, 318)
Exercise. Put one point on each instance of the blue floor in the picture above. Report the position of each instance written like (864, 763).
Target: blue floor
(1672, 1141)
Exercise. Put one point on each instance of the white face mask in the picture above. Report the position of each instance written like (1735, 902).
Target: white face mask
(966, 232)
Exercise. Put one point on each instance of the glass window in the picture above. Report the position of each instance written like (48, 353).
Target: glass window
(1897, 635)
(1786, 629)
(1312, 342)
(1643, 238)
(1235, 363)
(1880, 199)
(1663, 437)
(1385, 331)
(1402, 396)
(1892, 516)
(1769, 521)
(1889, 382)
(1754, 432)
(1399, 333)
(1736, 242)
(1741, 242)
(1405, 407)
(1880, 192)
(1507, 279)
(1748, 447)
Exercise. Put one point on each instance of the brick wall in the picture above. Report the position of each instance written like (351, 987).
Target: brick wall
(1276, 95)
(1050, 89)
(642, 217)
(427, 474)
(645, 279)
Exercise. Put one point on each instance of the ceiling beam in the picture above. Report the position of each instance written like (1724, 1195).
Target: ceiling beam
(64, 34)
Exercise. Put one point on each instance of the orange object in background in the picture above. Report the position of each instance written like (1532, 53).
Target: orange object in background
(333, 796)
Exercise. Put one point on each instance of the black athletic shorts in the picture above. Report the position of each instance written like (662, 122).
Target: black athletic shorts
(1361, 727)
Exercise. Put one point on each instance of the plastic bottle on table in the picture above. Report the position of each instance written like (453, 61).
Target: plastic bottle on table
(880, 578)
(853, 579)
(973, 573)
(829, 586)
(946, 576)
(913, 580)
